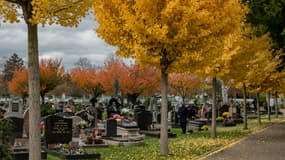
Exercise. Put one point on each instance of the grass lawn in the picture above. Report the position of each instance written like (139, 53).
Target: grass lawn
(184, 147)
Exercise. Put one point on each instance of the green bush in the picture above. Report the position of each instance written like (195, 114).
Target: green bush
(5, 129)
(45, 111)
(5, 152)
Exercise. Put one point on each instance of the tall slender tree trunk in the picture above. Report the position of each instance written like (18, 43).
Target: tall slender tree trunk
(268, 105)
(276, 105)
(214, 125)
(164, 125)
(258, 108)
(34, 93)
(244, 108)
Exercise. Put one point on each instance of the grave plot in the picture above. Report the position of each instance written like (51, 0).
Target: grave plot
(58, 137)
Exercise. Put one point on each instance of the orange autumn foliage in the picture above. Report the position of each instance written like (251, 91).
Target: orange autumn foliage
(137, 79)
(19, 84)
(183, 84)
(88, 80)
(113, 70)
(51, 74)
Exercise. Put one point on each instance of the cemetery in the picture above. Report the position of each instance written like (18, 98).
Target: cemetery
(148, 80)
(74, 135)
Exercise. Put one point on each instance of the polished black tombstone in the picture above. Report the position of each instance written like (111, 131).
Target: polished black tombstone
(58, 130)
(144, 120)
(111, 128)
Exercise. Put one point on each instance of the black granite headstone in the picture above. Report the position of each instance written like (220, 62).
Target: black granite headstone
(144, 120)
(58, 130)
(111, 128)
(17, 129)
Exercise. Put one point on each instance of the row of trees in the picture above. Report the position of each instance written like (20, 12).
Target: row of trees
(208, 38)
(174, 36)
(133, 80)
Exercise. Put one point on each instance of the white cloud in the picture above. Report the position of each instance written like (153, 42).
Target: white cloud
(57, 42)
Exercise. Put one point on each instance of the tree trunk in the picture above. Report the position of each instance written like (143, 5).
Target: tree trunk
(133, 97)
(34, 93)
(275, 104)
(214, 125)
(258, 108)
(244, 108)
(268, 106)
(164, 125)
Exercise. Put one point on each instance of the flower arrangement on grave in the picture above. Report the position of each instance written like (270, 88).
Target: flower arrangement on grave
(71, 150)
(225, 114)
(42, 128)
(220, 119)
(82, 124)
(204, 128)
(123, 121)
(127, 112)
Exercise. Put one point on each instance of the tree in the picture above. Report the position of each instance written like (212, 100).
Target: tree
(51, 75)
(12, 64)
(252, 65)
(182, 84)
(68, 88)
(164, 33)
(136, 80)
(19, 84)
(34, 12)
(88, 80)
(110, 75)
(267, 16)
(83, 63)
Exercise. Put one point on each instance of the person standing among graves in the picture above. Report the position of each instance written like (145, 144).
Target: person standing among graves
(182, 112)
(112, 107)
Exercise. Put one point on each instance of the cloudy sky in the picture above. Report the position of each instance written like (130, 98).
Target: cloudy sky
(57, 42)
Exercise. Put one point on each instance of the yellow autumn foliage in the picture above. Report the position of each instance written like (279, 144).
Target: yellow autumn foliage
(64, 12)
(182, 30)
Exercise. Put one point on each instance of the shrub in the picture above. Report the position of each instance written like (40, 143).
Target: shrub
(45, 111)
(220, 119)
(5, 129)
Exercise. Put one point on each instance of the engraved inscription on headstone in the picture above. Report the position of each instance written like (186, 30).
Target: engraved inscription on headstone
(58, 130)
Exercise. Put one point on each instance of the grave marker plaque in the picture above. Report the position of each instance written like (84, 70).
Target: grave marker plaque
(58, 130)
(111, 128)
(144, 120)
(15, 107)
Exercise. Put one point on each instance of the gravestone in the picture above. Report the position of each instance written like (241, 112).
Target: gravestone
(58, 130)
(75, 121)
(15, 109)
(17, 129)
(83, 114)
(111, 128)
(144, 120)
(26, 123)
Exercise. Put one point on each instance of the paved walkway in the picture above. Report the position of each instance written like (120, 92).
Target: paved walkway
(266, 145)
